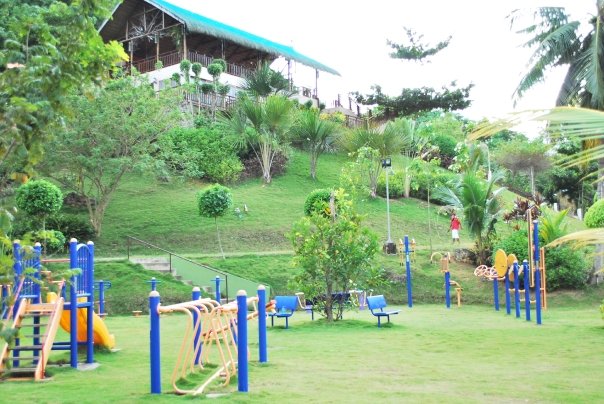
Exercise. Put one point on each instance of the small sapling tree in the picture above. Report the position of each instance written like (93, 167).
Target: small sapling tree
(214, 202)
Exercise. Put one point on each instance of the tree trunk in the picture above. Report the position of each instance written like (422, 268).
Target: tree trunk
(313, 165)
(218, 235)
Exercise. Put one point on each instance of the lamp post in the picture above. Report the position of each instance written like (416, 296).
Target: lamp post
(389, 247)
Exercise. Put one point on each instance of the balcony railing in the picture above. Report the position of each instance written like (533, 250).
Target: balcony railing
(175, 57)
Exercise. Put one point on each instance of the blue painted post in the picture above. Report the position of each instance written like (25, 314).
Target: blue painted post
(527, 290)
(154, 343)
(101, 297)
(408, 266)
(516, 292)
(242, 365)
(537, 271)
(196, 295)
(17, 270)
(496, 293)
(263, 352)
(90, 311)
(37, 267)
(217, 288)
(507, 292)
(448, 289)
(73, 304)
(538, 295)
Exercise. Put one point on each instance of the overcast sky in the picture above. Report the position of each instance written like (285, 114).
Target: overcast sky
(350, 36)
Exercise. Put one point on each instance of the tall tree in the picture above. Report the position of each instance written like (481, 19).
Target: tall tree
(47, 48)
(315, 134)
(107, 136)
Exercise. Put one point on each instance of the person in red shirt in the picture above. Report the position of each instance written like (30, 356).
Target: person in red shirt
(455, 228)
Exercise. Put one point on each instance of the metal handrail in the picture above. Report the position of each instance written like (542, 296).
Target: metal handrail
(170, 254)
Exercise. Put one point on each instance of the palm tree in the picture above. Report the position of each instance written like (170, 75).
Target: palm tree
(264, 81)
(480, 205)
(264, 127)
(315, 135)
(561, 42)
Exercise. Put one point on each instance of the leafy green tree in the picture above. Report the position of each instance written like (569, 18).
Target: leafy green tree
(264, 127)
(107, 136)
(47, 49)
(314, 134)
(214, 202)
(416, 51)
(334, 252)
(479, 202)
(39, 198)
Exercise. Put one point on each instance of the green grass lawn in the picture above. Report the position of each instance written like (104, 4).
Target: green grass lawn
(166, 214)
(427, 354)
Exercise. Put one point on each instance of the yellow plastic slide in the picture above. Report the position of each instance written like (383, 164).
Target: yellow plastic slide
(99, 329)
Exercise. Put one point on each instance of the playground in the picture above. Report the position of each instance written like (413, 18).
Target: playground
(426, 354)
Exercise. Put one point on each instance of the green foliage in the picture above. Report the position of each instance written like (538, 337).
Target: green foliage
(176, 78)
(72, 226)
(207, 88)
(264, 81)
(552, 225)
(318, 202)
(214, 201)
(196, 69)
(203, 153)
(185, 69)
(595, 215)
(566, 268)
(415, 100)
(215, 69)
(425, 177)
(396, 186)
(124, 121)
(416, 51)
(335, 252)
(220, 62)
(53, 240)
(47, 50)
(516, 243)
(602, 309)
(39, 198)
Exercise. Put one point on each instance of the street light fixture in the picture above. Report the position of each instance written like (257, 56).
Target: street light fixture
(389, 247)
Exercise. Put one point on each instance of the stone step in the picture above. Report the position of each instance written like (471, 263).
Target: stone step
(153, 264)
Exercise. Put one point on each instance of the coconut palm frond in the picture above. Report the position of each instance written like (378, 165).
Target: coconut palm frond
(581, 238)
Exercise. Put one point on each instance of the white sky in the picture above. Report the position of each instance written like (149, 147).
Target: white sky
(350, 36)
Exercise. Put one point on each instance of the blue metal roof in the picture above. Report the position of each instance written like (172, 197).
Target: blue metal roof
(200, 24)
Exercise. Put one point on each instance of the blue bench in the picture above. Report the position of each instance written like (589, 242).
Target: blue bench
(284, 308)
(377, 304)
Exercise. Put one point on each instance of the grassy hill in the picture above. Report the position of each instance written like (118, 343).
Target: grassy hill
(166, 214)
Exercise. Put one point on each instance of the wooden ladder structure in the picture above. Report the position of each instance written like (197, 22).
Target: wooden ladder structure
(37, 324)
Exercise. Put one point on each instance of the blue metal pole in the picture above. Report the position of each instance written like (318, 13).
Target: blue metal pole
(101, 297)
(73, 304)
(37, 267)
(89, 277)
(527, 290)
(538, 295)
(242, 365)
(17, 270)
(507, 293)
(408, 266)
(154, 343)
(196, 295)
(496, 293)
(537, 271)
(516, 292)
(263, 352)
(217, 288)
(448, 289)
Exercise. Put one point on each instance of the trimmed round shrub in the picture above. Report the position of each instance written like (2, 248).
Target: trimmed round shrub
(214, 201)
(220, 62)
(215, 69)
(317, 201)
(39, 198)
(446, 145)
(595, 215)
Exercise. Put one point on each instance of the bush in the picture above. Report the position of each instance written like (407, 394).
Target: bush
(73, 226)
(419, 184)
(39, 198)
(565, 268)
(54, 241)
(595, 215)
(201, 153)
(252, 169)
(396, 187)
(317, 201)
(446, 145)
